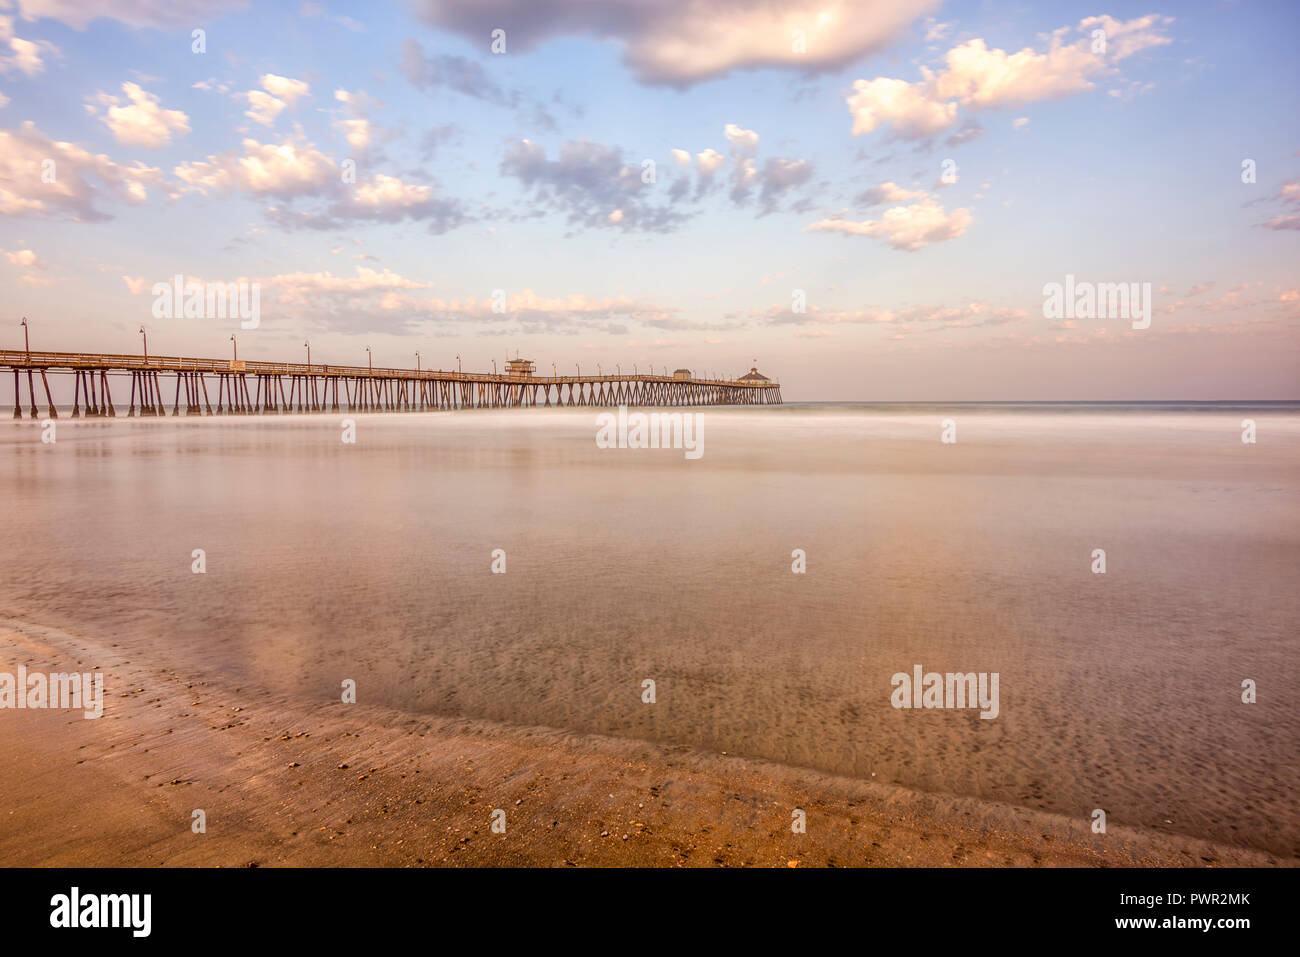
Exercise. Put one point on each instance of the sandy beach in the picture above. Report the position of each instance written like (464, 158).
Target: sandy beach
(291, 783)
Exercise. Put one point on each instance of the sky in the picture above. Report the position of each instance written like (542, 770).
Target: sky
(865, 197)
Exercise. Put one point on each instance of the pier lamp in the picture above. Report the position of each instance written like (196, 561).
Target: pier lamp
(307, 343)
(599, 371)
(235, 346)
(30, 390)
(458, 364)
(619, 367)
(554, 371)
(417, 360)
(579, 368)
(370, 360)
(494, 366)
(145, 336)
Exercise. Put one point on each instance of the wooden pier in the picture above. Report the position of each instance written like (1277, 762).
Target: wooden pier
(228, 387)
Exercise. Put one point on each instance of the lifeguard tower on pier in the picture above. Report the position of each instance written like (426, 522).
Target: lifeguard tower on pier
(517, 368)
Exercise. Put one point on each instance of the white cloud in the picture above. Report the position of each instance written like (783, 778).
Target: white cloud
(780, 175)
(980, 77)
(24, 258)
(284, 87)
(356, 126)
(277, 93)
(158, 14)
(973, 313)
(374, 298)
(294, 169)
(390, 193)
(357, 132)
(25, 155)
(1125, 39)
(263, 107)
(936, 31)
(24, 56)
(1020, 122)
(309, 10)
(977, 77)
(905, 227)
(709, 162)
(907, 107)
(303, 288)
(686, 41)
(742, 141)
(586, 181)
(1283, 222)
(141, 122)
(776, 177)
(743, 179)
(286, 169)
(888, 192)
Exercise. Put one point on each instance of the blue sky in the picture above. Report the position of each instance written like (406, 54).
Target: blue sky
(522, 172)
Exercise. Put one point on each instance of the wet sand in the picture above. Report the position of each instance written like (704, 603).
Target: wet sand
(290, 781)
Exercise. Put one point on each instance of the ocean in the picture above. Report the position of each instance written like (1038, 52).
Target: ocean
(373, 561)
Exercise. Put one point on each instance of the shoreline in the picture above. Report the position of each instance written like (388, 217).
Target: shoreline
(286, 782)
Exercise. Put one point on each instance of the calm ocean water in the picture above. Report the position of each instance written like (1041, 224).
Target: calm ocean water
(372, 561)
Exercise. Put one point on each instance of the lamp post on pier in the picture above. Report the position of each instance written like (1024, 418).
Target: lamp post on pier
(145, 336)
(370, 366)
(31, 387)
(234, 345)
(306, 344)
